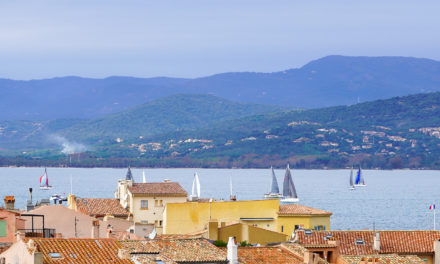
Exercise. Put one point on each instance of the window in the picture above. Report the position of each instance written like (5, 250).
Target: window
(156, 203)
(160, 223)
(296, 227)
(2, 228)
(319, 227)
(144, 204)
(161, 203)
(282, 228)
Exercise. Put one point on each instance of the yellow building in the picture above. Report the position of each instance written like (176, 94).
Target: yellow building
(192, 217)
(146, 201)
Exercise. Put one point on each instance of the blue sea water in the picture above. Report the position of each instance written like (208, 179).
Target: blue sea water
(397, 199)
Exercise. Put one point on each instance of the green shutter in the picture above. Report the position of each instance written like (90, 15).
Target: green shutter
(2, 228)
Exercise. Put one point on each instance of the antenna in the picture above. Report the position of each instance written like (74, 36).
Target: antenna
(71, 184)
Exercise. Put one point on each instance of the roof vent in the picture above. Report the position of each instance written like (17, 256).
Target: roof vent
(359, 242)
(166, 180)
(327, 237)
(308, 232)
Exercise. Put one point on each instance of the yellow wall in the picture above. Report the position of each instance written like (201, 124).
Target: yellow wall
(182, 218)
(263, 237)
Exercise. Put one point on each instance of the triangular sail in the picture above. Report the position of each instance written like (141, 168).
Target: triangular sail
(361, 177)
(274, 183)
(289, 190)
(44, 179)
(144, 179)
(129, 176)
(358, 177)
(351, 177)
(195, 192)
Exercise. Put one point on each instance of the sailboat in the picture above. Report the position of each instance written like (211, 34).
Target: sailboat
(289, 191)
(44, 181)
(144, 179)
(195, 192)
(351, 179)
(359, 182)
(274, 192)
(232, 197)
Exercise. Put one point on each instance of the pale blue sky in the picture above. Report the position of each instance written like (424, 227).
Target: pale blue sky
(186, 38)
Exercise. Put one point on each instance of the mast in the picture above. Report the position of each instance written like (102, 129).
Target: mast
(289, 190)
(274, 183)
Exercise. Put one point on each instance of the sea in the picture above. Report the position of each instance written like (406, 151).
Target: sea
(392, 199)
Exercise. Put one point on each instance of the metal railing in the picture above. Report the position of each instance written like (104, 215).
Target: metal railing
(44, 233)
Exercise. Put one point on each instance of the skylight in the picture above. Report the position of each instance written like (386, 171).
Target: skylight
(359, 242)
(55, 255)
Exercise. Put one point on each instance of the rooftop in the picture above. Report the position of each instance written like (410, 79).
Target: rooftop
(158, 188)
(58, 250)
(384, 258)
(100, 207)
(297, 209)
(267, 255)
(361, 242)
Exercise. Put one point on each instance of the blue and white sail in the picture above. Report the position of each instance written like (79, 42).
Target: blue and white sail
(359, 178)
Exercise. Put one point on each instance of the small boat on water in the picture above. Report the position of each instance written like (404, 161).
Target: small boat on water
(274, 192)
(289, 191)
(44, 181)
(359, 182)
(351, 179)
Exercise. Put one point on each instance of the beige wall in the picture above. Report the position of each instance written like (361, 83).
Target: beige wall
(63, 220)
(19, 253)
(156, 205)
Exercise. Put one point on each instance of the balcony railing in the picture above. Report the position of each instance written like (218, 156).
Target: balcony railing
(44, 233)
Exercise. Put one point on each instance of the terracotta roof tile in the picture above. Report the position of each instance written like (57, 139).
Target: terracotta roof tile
(411, 242)
(79, 250)
(299, 251)
(158, 188)
(384, 258)
(179, 250)
(297, 209)
(100, 207)
(267, 255)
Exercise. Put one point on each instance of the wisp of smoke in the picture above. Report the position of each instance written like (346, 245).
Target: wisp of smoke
(69, 147)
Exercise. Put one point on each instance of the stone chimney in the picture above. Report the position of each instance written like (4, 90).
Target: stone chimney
(376, 242)
(437, 252)
(232, 251)
(9, 202)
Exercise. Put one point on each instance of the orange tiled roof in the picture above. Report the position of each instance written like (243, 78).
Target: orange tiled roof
(297, 209)
(299, 251)
(179, 250)
(409, 242)
(79, 250)
(384, 258)
(100, 207)
(259, 255)
(158, 188)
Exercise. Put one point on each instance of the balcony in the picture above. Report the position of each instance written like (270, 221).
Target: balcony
(43, 233)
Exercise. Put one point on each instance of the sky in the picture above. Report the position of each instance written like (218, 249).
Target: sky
(192, 38)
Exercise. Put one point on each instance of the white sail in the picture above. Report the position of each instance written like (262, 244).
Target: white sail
(144, 178)
(195, 192)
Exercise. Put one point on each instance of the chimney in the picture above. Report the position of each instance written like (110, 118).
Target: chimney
(71, 202)
(95, 229)
(232, 251)
(376, 242)
(437, 252)
(9, 202)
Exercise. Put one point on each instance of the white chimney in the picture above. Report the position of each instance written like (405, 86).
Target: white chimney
(232, 251)
(376, 242)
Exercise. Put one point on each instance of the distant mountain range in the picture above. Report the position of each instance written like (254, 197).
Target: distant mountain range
(208, 131)
(330, 81)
